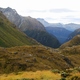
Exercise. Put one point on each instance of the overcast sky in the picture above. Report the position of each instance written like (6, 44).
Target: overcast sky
(53, 11)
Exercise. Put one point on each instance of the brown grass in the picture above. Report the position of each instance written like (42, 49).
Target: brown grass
(38, 75)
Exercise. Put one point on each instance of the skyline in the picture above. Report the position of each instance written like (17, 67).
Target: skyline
(59, 11)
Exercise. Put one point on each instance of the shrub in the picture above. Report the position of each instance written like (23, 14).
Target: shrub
(62, 79)
(75, 78)
(55, 71)
(64, 74)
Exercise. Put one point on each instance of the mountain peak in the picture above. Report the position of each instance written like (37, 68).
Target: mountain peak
(45, 23)
(9, 9)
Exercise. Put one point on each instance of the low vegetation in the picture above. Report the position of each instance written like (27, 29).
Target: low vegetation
(38, 62)
(69, 74)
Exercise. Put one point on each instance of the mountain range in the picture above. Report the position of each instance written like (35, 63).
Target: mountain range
(60, 32)
(31, 27)
(63, 32)
(48, 35)
(69, 26)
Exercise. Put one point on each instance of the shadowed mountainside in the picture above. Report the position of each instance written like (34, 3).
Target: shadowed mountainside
(44, 38)
(60, 32)
(76, 32)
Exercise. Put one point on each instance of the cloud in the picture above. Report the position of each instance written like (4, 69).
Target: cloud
(52, 10)
(32, 11)
(72, 19)
(65, 20)
(60, 10)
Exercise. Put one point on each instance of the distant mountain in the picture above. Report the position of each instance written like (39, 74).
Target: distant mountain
(75, 41)
(10, 36)
(59, 32)
(70, 26)
(45, 23)
(27, 24)
(76, 32)
(57, 25)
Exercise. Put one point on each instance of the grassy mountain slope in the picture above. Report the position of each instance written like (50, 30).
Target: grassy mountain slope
(73, 42)
(10, 36)
(71, 50)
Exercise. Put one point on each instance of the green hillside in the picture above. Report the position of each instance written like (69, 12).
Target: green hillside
(10, 36)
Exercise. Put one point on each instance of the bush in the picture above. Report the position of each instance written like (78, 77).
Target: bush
(75, 78)
(62, 79)
(64, 74)
(55, 71)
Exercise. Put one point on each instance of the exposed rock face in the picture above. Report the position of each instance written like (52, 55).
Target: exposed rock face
(22, 22)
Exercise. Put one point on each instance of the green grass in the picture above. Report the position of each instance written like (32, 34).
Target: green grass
(10, 36)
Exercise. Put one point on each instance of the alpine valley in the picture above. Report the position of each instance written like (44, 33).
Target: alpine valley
(33, 49)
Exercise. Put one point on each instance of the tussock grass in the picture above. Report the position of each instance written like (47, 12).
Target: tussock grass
(38, 75)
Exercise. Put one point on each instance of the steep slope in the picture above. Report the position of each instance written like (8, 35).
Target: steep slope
(44, 38)
(10, 36)
(27, 24)
(73, 42)
(59, 32)
(76, 32)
